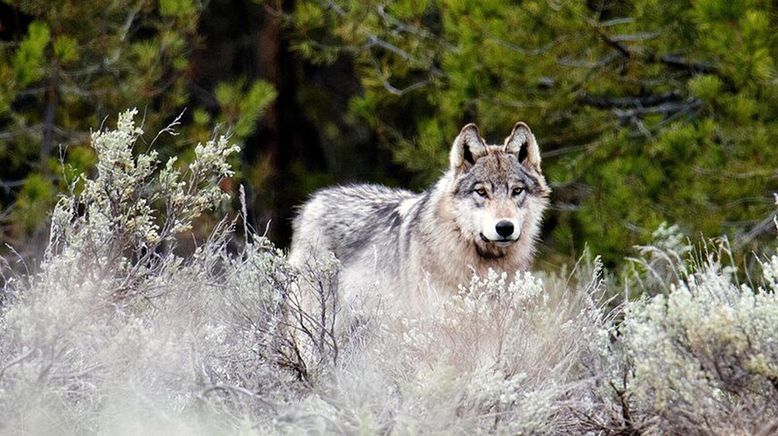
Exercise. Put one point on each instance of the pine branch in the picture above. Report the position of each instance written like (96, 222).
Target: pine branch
(602, 102)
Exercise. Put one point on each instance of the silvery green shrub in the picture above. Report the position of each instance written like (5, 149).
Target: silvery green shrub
(115, 333)
(704, 355)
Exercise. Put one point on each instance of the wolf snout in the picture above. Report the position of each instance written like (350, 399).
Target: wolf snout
(504, 228)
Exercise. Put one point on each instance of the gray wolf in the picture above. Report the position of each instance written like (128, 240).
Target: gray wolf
(485, 212)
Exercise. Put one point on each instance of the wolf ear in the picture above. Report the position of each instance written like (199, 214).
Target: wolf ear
(521, 142)
(467, 148)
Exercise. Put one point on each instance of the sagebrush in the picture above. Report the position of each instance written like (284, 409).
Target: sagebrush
(116, 333)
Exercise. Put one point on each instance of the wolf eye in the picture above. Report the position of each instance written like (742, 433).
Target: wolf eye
(517, 191)
(481, 192)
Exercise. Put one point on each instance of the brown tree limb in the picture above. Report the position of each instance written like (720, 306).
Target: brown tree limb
(674, 61)
(52, 100)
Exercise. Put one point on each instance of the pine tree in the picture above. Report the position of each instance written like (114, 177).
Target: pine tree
(67, 66)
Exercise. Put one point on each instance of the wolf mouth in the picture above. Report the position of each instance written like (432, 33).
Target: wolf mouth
(498, 242)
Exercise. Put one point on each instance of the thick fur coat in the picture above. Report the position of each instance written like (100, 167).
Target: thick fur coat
(485, 212)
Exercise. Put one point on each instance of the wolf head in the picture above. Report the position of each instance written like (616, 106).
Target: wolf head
(498, 192)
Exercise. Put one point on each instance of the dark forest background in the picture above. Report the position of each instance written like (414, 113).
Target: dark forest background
(645, 111)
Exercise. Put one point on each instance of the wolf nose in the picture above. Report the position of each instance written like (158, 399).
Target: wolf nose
(504, 228)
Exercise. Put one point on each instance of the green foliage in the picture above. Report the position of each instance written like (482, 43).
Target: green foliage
(177, 7)
(242, 106)
(29, 61)
(123, 199)
(646, 111)
(34, 202)
(77, 62)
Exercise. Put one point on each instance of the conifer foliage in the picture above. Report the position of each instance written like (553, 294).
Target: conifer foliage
(67, 66)
(646, 111)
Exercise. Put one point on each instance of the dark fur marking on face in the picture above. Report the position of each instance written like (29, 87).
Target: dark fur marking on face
(529, 182)
(463, 187)
(494, 169)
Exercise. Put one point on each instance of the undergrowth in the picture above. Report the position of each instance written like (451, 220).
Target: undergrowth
(115, 333)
